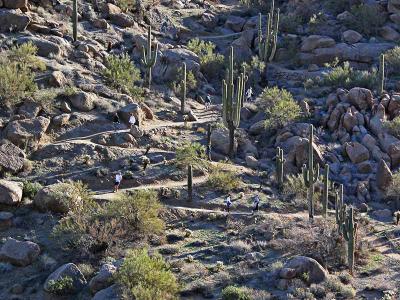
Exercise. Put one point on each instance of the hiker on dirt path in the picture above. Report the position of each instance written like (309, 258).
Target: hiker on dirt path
(118, 179)
(132, 121)
(256, 202)
(207, 102)
(228, 202)
(249, 94)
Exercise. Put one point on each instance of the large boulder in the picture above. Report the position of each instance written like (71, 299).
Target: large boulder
(10, 192)
(316, 41)
(11, 157)
(299, 265)
(351, 36)
(393, 6)
(21, 132)
(110, 293)
(209, 20)
(384, 176)
(19, 253)
(220, 141)
(126, 112)
(13, 20)
(45, 47)
(357, 152)
(14, 4)
(83, 101)
(235, 23)
(118, 139)
(68, 270)
(122, 20)
(103, 279)
(389, 33)
(361, 98)
(56, 198)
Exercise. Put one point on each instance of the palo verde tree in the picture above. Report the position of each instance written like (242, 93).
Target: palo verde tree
(232, 98)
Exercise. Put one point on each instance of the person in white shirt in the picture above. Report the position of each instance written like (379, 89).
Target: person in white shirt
(228, 202)
(132, 120)
(249, 93)
(256, 202)
(118, 179)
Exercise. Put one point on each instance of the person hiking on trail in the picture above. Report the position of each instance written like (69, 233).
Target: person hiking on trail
(228, 202)
(118, 179)
(249, 94)
(132, 120)
(256, 202)
(208, 101)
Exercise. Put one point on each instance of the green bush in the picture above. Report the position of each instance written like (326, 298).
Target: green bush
(146, 278)
(122, 74)
(394, 189)
(393, 126)
(191, 154)
(60, 286)
(346, 77)
(177, 82)
(392, 61)
(367, 19)
(254, 70)
(126, 5)
(235, 293)
(223, 180)
(211, 63)
(279, 106)
(31, 189)
(289, 23)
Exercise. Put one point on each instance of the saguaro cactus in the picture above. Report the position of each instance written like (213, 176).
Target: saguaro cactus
(190, 182)
(149, 57)
(340, 209)
(279, 166)
(232, 98)
(209, 131)
(325, 192)
(381, 80)
(75, 20)
(349, 234)
(267, 44)
(310, 174)
(183, 100)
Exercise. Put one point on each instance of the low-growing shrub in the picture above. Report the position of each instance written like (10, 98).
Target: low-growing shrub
(30, 189)
(177, 82)
(367, 19)
(394, 188)
(126, 5)
(60, 286)
(223, 180)
(254, 70)
(393, 126)
(290, 22)
(191, 154)
(235, 293)
(211, 63)
(146, 278)
(392, 61)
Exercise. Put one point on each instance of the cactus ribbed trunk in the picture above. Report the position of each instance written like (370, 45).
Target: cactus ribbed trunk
(349, 233)
(75, 20)
(279, 167)
(267, 43)
(209, 142)
(231, 128)
(183, 101)
(381, 82)
(149, 57)
(325, 192)
(190, 183)
(340, 209)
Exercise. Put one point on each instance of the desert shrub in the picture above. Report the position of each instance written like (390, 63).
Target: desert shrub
(146, 278)
(392, 60)
(122, 74)
(70, 194)
(223, 180)
(238, 247)
(191, 154)
(58, 287)
(126, 5)
(17, 68)
(346, 77)
(177, 83)
(289, 23)
(86, 269)
(367, 19)
(279, 106)
(295, 187)
(235, 293)
(394, 188)
(254, 70)
(393, 126)
(211, 63)
(334, 285)
(30, 189)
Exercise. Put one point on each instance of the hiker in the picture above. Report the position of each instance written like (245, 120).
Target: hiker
(249, 94)
(118, 179)
(132, 120)
(256, 201)
(207, 102)
(228, 202)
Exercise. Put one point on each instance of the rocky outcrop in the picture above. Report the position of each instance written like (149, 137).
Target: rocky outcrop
(316, 41)
(56, 198)
(45, 48)
(19, 253)
(11, 157)
(351, 36)
(384, 176)
(220, 141)
(103, 279)
(83, 101)
(299, 265)
(357, 152)
(10, 192)
(21, 132)
(13, 20)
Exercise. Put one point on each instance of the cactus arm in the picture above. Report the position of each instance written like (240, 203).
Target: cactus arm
(75, 20)
(381, 80)
(183, 101)
(325, 194)
(275, 37)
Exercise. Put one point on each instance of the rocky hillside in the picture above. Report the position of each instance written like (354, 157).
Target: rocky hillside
(258, 144)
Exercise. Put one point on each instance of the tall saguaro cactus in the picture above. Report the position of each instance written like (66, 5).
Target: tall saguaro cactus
(349, 234)
(340, 209)
(325, 192)
(75, 20)
(209, 131)
(232, 98)
(149, 57)
(279, 166)
(310, 174)
(183, 100)
(190, 182)
(267, 43)
(381, 80)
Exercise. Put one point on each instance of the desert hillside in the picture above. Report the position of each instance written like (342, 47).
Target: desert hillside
(196, 149)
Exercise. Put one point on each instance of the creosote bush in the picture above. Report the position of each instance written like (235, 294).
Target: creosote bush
(279, 106)
(211, 63)
(146, 277)
(393, 126)
(223, 180)
(191, 154)
(30, 189)
(235, 293)
(122, 74)
(126, 5)
(60, 286)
